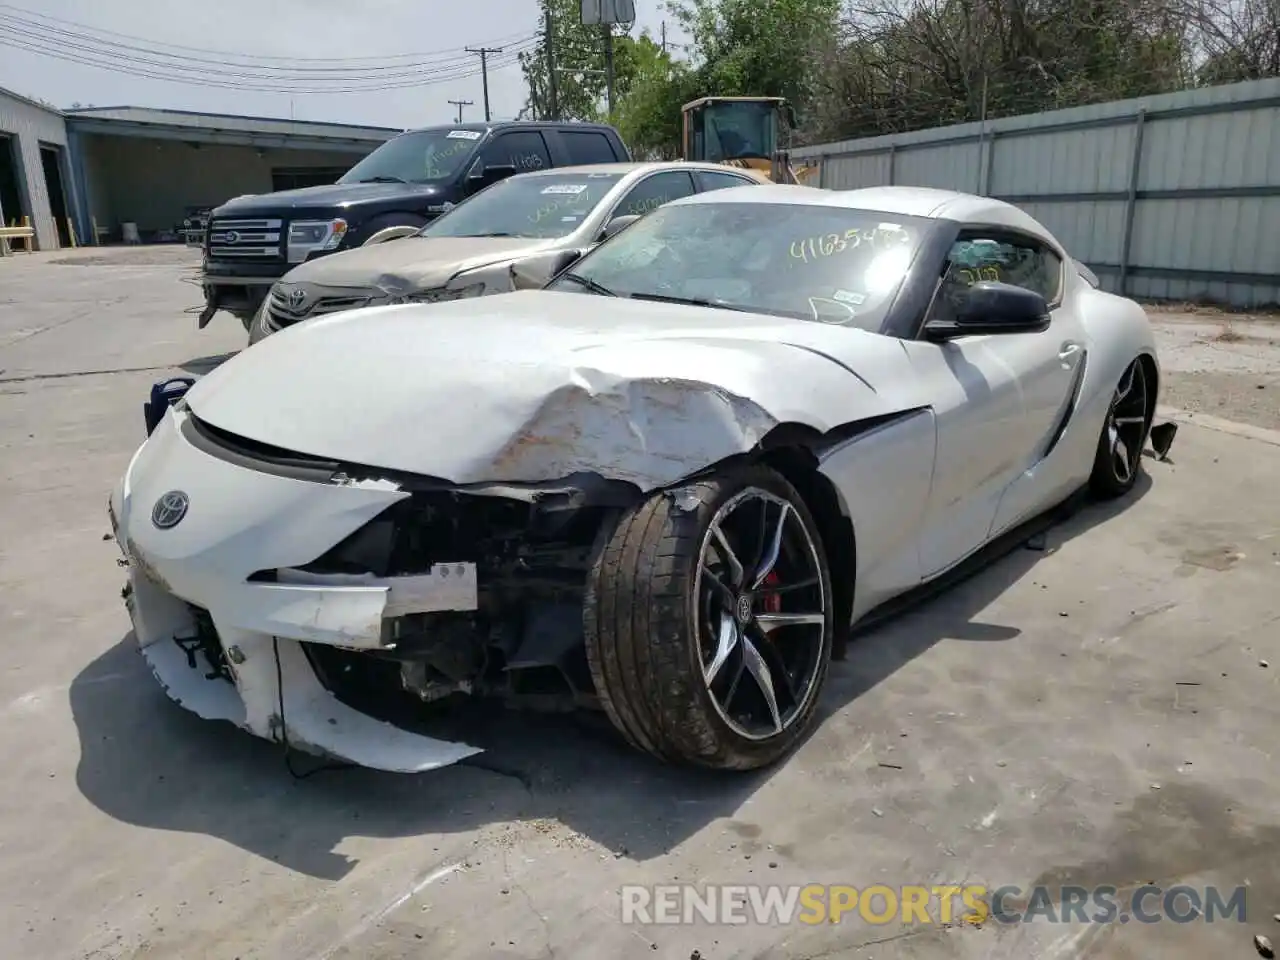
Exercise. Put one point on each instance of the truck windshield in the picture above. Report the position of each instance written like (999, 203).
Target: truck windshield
(423, 156)
(538, 205)
(736, 130)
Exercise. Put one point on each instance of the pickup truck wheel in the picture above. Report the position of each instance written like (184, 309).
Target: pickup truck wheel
(709, 621)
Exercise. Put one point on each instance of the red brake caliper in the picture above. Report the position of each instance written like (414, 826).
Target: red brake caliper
(772, 602)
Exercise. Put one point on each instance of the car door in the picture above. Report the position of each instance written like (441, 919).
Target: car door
(525, 150)
(998, 398)
(652, 192)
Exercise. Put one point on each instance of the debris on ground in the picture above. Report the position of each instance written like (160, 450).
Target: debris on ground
(1263, 946)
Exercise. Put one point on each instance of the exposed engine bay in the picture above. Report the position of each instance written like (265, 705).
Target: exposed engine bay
(528, 560)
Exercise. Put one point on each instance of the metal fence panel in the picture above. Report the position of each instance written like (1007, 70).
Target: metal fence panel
(1168, 197)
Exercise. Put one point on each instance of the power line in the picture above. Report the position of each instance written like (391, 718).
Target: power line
(241, 72)
(225, 55)
(460, 104)
(484, 72)
(91, 44)
(240, 80)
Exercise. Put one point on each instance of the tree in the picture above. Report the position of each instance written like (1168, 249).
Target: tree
(580, 67)
(648, 116)
(758, 47)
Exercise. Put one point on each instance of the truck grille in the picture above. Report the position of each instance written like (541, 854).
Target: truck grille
(248, 241)
(283, 315)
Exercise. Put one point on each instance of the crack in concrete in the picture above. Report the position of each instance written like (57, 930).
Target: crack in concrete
(87, 373)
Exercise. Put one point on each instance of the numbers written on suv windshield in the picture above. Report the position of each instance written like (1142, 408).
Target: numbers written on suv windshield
(434, 170)
(885, 236)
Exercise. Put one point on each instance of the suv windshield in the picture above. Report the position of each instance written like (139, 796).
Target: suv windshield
(540, 205)
(824, 263)
(423, 156)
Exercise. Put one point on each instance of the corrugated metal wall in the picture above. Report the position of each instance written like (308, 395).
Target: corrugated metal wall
(31, 125)
(1168, 197)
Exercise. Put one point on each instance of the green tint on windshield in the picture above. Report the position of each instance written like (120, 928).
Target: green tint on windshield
(424, 156)
(542, 206)
(823, 263)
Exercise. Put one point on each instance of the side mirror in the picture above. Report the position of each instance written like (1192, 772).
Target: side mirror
(536, 272)
(617, 225)
(992, 308)
(489, 175)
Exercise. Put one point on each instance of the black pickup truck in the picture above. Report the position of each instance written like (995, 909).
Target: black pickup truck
(408, 181)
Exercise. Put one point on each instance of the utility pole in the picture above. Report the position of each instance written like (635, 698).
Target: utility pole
(460, 104)
(664, 36)
(608, 64)
(554, 105)
(484, 52)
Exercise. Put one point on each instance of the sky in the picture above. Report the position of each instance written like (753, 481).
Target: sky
(433, 30)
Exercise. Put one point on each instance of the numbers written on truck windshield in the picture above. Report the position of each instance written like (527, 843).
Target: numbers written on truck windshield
(434, 170)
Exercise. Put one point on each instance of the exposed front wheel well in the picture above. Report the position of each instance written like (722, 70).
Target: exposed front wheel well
(800, 467)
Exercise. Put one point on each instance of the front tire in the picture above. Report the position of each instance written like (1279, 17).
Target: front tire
(709, 621)
(1118, 460)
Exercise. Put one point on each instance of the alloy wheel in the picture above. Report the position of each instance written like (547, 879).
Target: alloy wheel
(761, 613)
(1127, 423)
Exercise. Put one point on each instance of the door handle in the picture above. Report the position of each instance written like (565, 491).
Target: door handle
(1068, 352)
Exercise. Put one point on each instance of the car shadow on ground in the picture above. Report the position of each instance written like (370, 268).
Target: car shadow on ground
(147, 762)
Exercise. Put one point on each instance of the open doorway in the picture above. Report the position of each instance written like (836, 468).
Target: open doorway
(11, 206)
(51, 160)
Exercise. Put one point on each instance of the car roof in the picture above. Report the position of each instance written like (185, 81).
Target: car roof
(481, 126)
(637, 167)
(926, 202)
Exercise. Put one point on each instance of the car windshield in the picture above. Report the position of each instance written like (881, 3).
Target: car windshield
(542, 205)
(424, 156)
(811, 262)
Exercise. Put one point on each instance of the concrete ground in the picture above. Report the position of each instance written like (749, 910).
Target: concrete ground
(1098, 712)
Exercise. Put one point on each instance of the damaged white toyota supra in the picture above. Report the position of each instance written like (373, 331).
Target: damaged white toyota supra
(665, 486)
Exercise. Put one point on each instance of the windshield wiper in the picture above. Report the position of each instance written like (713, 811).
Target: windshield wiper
(383, 179)
(494, 234)
(588, 283)
(691, 301)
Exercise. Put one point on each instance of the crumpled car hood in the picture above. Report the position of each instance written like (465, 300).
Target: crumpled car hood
(412, 262)
(535, 386)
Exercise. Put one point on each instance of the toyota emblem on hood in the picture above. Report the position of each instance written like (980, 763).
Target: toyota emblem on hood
(169, 510)
(297, 298)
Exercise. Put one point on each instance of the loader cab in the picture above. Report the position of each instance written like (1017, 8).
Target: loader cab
(738, 131)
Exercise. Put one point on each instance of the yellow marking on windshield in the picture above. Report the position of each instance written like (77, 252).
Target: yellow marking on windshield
(823, 245)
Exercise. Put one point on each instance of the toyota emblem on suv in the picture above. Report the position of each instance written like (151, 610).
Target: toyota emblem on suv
(297, 298)
(169, 510)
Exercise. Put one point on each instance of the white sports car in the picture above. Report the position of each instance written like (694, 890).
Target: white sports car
(666, 485)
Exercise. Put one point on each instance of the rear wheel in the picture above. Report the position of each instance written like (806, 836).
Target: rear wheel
(1118, 460)
(709, 621)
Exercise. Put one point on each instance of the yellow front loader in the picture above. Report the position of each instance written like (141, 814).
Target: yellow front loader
(742, 132)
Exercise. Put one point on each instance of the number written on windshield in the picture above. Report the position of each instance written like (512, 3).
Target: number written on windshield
(829, 244)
